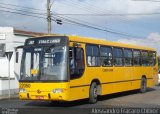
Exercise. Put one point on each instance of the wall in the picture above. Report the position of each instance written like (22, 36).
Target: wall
(4, 87)
(11, 41)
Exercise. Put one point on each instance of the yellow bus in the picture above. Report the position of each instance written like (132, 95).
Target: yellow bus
(67, 68)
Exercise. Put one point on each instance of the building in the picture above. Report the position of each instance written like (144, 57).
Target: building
(10, 38)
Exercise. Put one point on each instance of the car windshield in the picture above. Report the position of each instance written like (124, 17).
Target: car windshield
(44, 63)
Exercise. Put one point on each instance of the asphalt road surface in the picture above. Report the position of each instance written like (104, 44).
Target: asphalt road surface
(131, 99)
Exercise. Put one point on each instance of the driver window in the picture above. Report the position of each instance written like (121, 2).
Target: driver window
(76, 56)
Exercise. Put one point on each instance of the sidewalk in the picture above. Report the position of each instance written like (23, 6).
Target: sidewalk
(12, 96)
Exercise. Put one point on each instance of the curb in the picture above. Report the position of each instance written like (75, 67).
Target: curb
(13, 96)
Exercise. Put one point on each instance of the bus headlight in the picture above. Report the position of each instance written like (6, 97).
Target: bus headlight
(21, 90)
(57, 90)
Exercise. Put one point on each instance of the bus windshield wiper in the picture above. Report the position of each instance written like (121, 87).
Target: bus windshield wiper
(28, 46)
(53, 45)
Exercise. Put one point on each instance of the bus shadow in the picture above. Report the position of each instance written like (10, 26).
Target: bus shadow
(84, 102)
(56, 104)
(123, 94)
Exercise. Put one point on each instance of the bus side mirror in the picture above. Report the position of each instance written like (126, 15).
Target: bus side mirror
(17, 53)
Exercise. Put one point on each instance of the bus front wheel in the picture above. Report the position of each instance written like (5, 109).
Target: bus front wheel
(143, 87)
(93, 93)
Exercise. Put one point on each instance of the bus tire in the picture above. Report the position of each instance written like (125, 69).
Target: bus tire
(143, 87)
(93, 93)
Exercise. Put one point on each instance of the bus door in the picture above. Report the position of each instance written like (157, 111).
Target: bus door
(77, 67)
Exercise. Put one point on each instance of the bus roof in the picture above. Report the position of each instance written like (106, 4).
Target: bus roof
(108, 43)
(102, 42)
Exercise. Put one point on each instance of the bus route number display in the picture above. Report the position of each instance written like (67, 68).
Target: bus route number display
(44, 41)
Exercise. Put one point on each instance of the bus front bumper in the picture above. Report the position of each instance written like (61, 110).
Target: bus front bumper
(44, 91)
(43, 96)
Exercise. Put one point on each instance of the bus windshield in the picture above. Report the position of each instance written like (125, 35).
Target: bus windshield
(47, 63)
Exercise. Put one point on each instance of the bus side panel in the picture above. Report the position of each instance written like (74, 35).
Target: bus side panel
(139, 72)
(122, 78)
(104, 75)
(78, 92)
(136, 84)
(107, 89)
(149, 76)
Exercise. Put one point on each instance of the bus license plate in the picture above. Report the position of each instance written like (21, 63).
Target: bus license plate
(39, 97)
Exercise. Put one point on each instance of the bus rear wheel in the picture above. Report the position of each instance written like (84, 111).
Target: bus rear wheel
(143, 87)
(93, 93)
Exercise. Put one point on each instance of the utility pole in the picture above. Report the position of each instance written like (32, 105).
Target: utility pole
(49, 15)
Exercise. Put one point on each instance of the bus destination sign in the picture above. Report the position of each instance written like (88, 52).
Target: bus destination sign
(43, 41)
(52, 41)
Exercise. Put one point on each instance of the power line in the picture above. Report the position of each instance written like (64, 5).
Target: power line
(21, 10)
(113, 32)
(55, 14)
(127, 14)
(71, 21)
(22, 14)
(80, 24)
(98, 10)
(97, 28)
(147, 0)
(85, 7)
(23, 7)
(77, 23)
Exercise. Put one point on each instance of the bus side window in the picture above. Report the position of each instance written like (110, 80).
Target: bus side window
(118, 56)
(106, 56)
(137, 58)
(128, 57)
(145, 58)
(92, 54)
(152, 58)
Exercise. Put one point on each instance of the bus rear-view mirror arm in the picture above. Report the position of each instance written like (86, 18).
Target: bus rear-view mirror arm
(19, 47)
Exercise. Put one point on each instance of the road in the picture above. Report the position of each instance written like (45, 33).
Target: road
(132, 99)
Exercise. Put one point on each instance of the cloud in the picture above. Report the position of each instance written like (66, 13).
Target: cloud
(153, 40)
(154, 37)
(106, 6)
(21, 21)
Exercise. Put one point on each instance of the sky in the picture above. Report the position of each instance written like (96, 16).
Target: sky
(105, 14)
